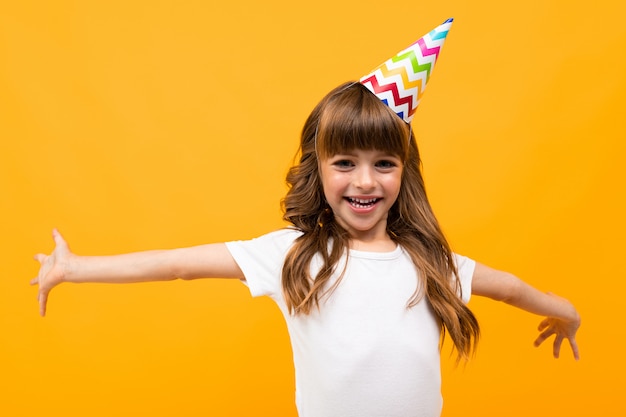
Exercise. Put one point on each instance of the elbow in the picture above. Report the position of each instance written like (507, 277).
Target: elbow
(511, 288)
(185, 278)
(183, 275)
(178, 272)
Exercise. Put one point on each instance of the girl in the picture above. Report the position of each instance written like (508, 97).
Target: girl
(364, 277)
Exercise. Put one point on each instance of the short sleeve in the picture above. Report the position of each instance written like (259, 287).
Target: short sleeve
(465, 267)
(261, 260)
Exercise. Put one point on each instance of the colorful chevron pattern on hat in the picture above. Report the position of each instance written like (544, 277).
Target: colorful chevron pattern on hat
(400, 81)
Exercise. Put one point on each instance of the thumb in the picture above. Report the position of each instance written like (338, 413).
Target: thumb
(58, 240)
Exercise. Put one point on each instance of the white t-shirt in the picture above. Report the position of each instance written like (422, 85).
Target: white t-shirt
(363, 353)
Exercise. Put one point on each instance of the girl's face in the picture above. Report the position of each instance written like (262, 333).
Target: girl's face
(361, 186)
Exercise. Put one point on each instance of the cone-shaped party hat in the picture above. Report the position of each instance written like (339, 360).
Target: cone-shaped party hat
(400, 81)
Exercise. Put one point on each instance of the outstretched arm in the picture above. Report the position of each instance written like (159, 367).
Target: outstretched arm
(562, 319)
(205, 261)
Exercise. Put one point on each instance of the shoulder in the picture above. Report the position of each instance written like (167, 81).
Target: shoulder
(464, 265)
(261, 260)
(465, 268)
(276, 241)
(285, 236)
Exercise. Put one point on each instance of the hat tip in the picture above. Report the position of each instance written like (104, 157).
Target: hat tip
(449, 20)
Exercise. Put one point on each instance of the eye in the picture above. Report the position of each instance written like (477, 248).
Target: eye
(343, 164)
(386, 164)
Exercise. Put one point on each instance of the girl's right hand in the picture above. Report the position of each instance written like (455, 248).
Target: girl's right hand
(53, 270)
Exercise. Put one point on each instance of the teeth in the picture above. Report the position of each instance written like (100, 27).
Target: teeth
(361, 202)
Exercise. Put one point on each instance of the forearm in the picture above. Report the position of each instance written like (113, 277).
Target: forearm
(126, 268)
(204, 261)
(534, 301)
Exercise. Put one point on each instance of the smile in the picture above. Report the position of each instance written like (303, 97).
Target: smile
(362, 202)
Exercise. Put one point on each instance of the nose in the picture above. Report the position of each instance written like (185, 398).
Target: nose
(365, 179)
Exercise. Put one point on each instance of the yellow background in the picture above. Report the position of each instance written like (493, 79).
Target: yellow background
(136, 125)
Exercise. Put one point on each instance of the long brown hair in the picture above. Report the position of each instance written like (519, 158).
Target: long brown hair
(351, 117)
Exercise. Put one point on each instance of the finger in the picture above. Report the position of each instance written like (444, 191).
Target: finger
(574, 346)
(34, 281)
(40, 257)
(543, 336)
(43, 300)
(556, 347)
(544, 323)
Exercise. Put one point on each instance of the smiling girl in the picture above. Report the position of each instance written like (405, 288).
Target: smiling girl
(364, 276)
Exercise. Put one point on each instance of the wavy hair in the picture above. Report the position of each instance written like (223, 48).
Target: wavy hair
(351, 117)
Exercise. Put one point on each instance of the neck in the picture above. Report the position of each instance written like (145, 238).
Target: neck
(373, 245)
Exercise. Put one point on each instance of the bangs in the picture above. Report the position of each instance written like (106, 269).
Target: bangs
(354, 118)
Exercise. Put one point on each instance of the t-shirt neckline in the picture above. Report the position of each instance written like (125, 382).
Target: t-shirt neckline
(394, 254)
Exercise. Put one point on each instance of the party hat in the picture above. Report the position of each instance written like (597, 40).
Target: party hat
(400, 81)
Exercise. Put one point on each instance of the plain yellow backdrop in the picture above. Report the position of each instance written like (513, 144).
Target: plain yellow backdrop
(135, 125)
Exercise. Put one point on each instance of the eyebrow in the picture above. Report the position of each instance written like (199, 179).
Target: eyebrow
(354, 153)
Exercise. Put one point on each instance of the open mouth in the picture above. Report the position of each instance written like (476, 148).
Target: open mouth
(362, 203)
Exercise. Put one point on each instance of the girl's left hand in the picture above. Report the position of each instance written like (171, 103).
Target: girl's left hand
(562, 329)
